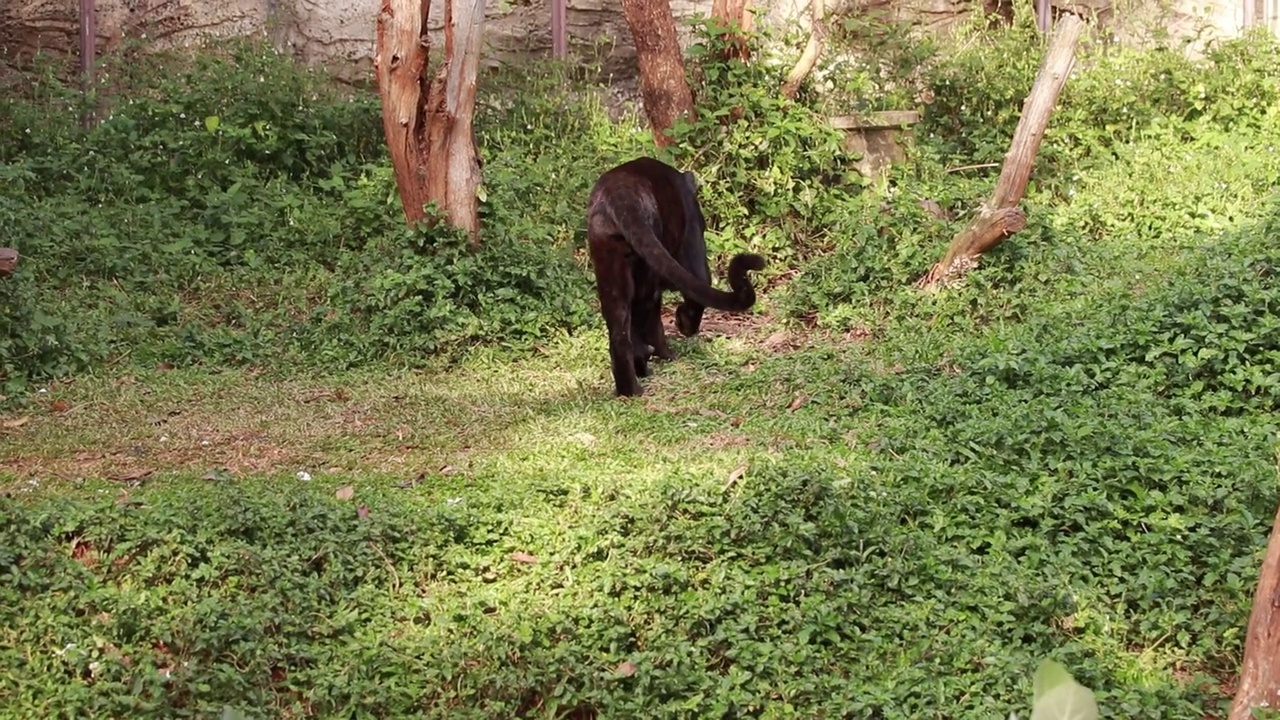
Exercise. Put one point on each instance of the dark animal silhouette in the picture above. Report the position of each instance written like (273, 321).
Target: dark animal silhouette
(645, 235)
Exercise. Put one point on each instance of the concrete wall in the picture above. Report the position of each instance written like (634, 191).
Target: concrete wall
(340, 33)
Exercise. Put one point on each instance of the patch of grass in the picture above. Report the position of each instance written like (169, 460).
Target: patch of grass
(799, 532)
(300, 462)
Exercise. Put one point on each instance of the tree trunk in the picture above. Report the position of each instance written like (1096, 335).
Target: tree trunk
(812, 50)
(663, 85)
(736, 16)
(8, 261)
(428, 123)
(1000, 215)
(1260, 672)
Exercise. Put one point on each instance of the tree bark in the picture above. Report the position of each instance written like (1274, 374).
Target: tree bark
(812, 50)
(1260, 672)
(1000, 216)
(8, 261)
(736, 16)
(428, 123)
(663, 84)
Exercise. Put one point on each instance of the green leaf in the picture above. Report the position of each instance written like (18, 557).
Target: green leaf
(1057, 696)
(211, 123)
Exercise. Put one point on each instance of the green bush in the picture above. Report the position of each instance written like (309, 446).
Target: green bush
(984, 530)
(1204, 337)
(1114, 96)
(1125, 182)
(233, 207)
(772, 173)
(425, 292)
(871, 61)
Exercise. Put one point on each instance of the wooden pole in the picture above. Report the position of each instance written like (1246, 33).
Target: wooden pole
(1260, 671)
(559, 19)
(1044, 15)
(88, 54)
(1000, 215)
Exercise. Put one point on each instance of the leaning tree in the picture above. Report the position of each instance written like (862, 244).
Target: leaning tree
(427, 116)
(1259, 685)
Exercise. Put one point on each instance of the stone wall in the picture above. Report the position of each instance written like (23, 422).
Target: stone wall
(340, 33)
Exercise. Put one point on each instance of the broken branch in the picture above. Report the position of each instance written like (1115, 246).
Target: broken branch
(999, 216)
(809, 57)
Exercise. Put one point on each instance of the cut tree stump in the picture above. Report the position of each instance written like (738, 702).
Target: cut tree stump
(1260, 671)
(1000, 216)
(879, 137)
(8, 261)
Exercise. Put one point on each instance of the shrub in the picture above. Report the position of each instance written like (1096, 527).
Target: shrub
(233, 207)
(425, 292)
(772, 173)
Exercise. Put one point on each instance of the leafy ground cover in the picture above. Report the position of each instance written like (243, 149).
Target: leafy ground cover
(771, 530)
(265, 453)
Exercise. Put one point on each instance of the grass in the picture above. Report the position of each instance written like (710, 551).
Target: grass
(757, 534)
(489, 410)
(900, 514)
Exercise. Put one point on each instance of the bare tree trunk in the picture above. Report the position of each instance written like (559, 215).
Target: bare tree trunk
(451, 106)
(1000, 216)
(1260, 672)
(736, 15)
(663, 85)
(400, 62)
(812, 50)
(428, 123)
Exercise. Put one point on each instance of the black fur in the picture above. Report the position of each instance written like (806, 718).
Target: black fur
(645, 235)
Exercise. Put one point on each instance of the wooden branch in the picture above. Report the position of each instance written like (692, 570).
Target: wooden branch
(975, 166)
(1260, 671)
(8, 261)
(812, 50)
(993, 222)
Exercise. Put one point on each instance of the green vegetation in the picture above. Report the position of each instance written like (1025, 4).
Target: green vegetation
(267, 453)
